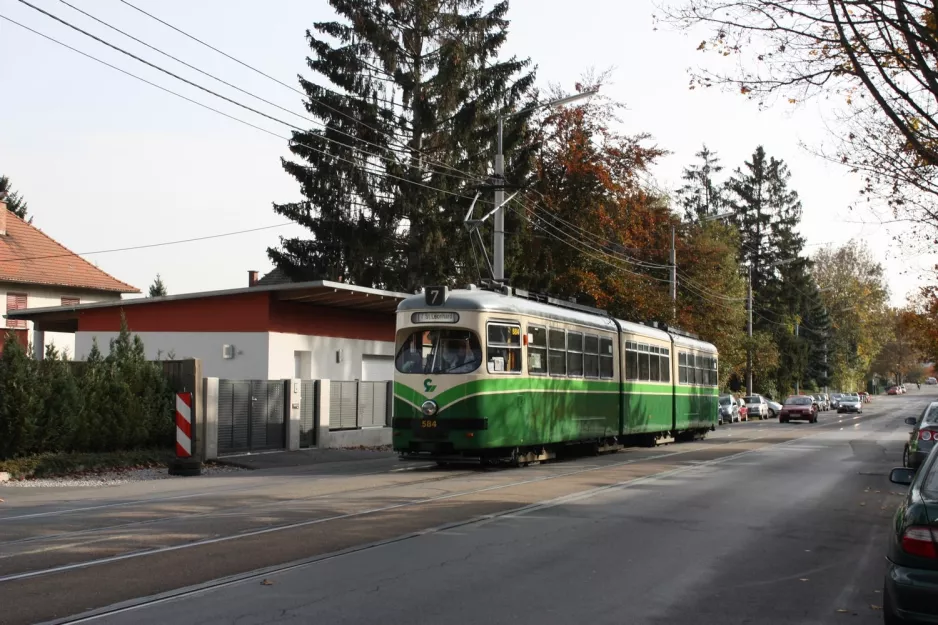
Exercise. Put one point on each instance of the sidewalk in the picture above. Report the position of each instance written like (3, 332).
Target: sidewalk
(304, 457)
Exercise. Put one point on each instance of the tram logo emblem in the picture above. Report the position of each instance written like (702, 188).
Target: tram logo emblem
(428, 386)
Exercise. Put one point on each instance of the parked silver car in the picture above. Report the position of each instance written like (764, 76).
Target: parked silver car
(823, 403)
(729, 409)
(757, 406)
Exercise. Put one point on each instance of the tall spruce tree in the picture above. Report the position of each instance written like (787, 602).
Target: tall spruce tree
(411, 110)
(701, 195)
(15, 202)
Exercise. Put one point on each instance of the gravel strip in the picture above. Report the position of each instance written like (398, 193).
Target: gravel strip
(113, 478)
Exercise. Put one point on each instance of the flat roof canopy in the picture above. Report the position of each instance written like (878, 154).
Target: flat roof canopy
(319, 293)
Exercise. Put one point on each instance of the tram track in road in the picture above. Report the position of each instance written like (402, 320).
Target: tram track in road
(242, 509)
(794, 435)
(554, 474)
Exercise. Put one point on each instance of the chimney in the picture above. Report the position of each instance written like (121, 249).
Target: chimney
(3, 215)
(252, 278)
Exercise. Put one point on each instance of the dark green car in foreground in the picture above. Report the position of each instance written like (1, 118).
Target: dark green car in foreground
(910, 594)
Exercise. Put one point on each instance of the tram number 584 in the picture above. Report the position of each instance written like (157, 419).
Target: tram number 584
(427, 424)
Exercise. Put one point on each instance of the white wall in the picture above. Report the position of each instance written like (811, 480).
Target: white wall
(323, 348)
(249, 362)
(44, 297)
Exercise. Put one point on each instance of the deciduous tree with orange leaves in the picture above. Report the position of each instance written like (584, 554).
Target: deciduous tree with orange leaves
(597, 230)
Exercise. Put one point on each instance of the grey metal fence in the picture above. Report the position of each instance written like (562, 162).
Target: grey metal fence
(359, 404)
(250, 415)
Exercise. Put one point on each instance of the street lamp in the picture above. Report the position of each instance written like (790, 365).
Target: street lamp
(498, 243)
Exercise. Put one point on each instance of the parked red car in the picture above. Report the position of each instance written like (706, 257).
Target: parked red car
(798, 407)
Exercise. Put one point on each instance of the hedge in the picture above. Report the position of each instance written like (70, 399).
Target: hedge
(110, 403)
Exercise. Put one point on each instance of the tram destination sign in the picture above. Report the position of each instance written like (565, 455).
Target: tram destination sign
(434, 317)
(436, 295)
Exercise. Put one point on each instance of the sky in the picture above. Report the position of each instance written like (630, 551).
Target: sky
(106, 161)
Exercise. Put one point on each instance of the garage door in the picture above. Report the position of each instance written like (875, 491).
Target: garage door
(377, 368)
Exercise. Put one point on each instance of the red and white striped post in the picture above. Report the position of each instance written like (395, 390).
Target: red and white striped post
(187, 461)
(183, 425)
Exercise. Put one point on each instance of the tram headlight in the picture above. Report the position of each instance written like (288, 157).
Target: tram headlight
(429, 408)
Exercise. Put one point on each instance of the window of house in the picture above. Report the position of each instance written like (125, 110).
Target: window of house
(574, 354)
(16, 301)
(606, 356)
(591, 356)
(503, 349)
(557, 352)
(71, 301)
(537, 350)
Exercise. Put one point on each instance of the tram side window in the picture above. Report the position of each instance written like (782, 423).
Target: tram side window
(698, 369)
(654, 374)
(537, 350)
(574, 354)
(631, 361)
(643, 362)
(504, 348)
(715, 371)
(557, 356)
(665, 362)
(606, 368)
(591, 356)
(682, 368)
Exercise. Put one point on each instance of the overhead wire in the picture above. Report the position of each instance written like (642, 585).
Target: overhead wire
(290, 87)
(401, 150)
(196, 85)
(592, 250)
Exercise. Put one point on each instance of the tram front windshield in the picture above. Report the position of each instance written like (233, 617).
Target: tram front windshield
(435, 351)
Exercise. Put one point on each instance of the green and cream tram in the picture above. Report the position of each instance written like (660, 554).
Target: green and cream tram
(492, 375)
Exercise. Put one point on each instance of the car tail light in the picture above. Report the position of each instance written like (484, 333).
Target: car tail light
(918, 541)
(927, 435)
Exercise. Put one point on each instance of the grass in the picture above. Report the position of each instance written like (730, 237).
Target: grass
(65, 464)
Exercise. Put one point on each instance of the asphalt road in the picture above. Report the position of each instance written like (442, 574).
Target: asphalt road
(761, 523)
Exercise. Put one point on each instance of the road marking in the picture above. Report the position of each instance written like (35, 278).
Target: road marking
(311, 522)
(173, 595)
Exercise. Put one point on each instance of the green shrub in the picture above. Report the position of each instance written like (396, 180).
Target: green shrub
(107, 403)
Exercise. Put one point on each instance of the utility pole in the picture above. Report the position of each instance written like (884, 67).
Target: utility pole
(798, 379)
(673, 278)
(499, 243)
(749, 330)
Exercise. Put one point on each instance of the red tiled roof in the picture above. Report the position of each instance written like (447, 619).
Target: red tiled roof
(29, 256)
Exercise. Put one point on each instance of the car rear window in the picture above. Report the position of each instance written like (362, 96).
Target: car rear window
(930, 415)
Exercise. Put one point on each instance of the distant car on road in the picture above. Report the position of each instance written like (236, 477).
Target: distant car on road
(850, 402)
(798, 407)
(756, 407)
(893, 390)
(774, 409)
(910, 588)
(835, 400)
(922, 437)
(931, 381)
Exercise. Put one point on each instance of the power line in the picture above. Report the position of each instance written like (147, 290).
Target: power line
(232, 117)
(147, 245)
(294, 89)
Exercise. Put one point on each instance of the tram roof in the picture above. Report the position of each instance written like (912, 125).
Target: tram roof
(493, 301)
(686, 341)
